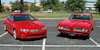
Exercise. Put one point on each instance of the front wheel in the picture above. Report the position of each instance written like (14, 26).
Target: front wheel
(14, 34)
(85, 37)
(5, 28)
(61, 33)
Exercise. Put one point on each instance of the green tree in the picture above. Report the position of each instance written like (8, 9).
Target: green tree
(18, 5)
(98, 5)
(52, 4)
(22, 5)
(35, 8)
(73, 5)
(1, 7)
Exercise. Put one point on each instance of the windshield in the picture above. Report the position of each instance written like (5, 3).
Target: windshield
(23, 18)
(76, 17)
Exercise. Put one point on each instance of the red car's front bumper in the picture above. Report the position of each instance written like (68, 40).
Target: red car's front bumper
(32, 35)
(74, 33)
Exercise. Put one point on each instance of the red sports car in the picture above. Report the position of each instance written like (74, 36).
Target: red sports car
(24, 26)
(79, 24)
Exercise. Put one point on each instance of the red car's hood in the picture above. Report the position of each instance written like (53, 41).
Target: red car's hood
(29, 24)
(76, 23)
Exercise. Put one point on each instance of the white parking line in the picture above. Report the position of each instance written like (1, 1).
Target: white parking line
(3, 34)
(86, 46)
(94, 42)
(11, 45)
(44, 44)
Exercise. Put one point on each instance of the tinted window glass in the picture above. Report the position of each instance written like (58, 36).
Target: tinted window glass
(23, 18)
(81, 17)
(10, 17)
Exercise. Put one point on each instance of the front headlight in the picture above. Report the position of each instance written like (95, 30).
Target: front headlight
(44, 28)
(28, 30)
(24, 30)
(64, 28)
(60, 27)
(36, 30)
(84, 30)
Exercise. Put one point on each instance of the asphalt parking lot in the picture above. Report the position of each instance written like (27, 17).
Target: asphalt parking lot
(53, 42)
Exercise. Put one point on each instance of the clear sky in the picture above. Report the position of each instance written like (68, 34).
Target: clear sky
(7, 1)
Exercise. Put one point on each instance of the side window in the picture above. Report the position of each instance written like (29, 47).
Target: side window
(32, 18)
(10, 17)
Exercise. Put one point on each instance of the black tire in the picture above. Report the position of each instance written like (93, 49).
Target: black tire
(92, 29)
(85, 37)
(61, 33)
(5, 27)
(14, 34)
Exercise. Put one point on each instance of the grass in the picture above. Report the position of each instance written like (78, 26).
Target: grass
(2, 15)
(97, 15)
(59, 14)
(50, 15)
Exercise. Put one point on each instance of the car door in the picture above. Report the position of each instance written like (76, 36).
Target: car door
(10, 23)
